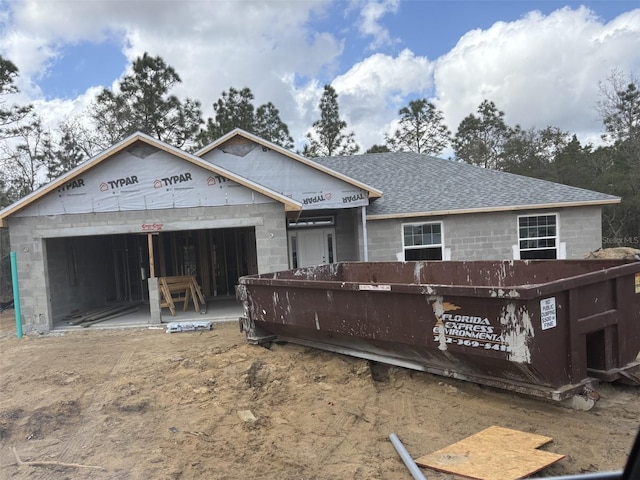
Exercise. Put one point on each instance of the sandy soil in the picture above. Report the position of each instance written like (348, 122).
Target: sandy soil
(144, 404)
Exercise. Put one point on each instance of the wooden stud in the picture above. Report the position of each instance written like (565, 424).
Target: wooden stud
(152, 267)
(181, 288)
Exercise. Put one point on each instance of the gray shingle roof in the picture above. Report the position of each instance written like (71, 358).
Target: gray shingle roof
(415, 183)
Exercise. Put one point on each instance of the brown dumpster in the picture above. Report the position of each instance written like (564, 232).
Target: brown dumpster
(549, 328)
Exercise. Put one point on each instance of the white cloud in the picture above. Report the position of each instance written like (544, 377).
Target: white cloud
(372, 91)
(212, 45)
(540, 70)
(52, 112)
(370, 15)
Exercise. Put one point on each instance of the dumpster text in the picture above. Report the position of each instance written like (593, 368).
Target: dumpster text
(471, 331)
(548, 313)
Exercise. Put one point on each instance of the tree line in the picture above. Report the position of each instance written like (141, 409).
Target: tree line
(142, 101)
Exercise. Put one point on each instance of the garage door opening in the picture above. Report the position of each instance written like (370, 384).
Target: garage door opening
(89, 272)
(216, 257)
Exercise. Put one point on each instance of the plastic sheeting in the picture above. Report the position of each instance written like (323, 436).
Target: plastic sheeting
(313, 188)
(131, 181)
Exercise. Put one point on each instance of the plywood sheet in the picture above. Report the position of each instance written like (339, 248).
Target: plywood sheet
(493, 454)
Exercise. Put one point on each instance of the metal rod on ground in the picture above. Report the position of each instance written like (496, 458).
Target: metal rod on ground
(16, 294)
(406, 458)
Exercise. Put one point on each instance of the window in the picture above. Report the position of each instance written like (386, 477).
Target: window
(422, 241)
(294, 251)
(328, 221)
(538, 237)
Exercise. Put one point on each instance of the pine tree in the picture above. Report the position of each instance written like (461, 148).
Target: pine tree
(10, 115)
(269, 126)
(328, 136)
(421, 130)
(234, 109)
(480, 140)
(142, 102)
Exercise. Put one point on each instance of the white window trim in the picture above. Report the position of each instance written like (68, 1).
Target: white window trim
(560, 249)
(417, 247)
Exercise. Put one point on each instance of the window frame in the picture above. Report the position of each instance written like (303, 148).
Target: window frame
(418, 247)
(555, 237)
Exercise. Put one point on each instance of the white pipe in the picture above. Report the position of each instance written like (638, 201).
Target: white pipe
(416, 473)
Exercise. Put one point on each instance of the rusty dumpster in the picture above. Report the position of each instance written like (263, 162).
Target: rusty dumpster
(549, 328)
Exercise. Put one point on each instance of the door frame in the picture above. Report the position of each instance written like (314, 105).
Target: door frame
(328, 243)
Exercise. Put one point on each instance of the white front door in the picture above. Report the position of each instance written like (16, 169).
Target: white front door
(314, 246)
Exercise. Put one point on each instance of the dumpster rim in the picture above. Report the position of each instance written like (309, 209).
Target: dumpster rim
(514, 292)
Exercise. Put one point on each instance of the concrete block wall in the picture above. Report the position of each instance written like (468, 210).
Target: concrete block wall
(581, 229)
(489, 236)
(32, 280)
(271, 240)
(482, 236)
(30, 236)
(347, 221)
(384, 240)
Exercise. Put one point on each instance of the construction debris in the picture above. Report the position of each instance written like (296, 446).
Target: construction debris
(100, 314)
(406, 458)
(111, 316)
(495, 453)
(189, 326)
(54, 464)
(624, 253)
(247, 416)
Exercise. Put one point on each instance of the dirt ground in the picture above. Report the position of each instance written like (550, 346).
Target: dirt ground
(143, 404)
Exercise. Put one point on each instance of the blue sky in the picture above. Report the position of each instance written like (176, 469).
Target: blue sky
(539, 61)
(81, 66)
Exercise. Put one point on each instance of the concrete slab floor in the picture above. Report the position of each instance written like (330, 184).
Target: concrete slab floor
(220, 309)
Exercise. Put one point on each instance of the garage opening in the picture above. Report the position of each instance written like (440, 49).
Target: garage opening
(216, 257)
(88, 272)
